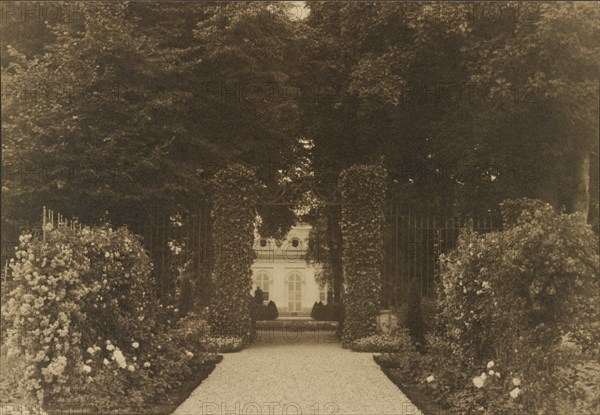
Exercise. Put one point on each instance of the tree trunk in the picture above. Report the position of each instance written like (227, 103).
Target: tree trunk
(334, 242)
(580, 197)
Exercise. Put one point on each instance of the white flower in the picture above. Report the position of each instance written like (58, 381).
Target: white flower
(135, 345)
(131, 368)
(497, 374)
(106, 362)
(490, 364)
(147, 364)
(91, 350)
(491, 373)
(515, 393)
(110, 347)
(479, 381)
(189, 354)
(120, 359)
(430, 379)
(516, 381)
(86, 369)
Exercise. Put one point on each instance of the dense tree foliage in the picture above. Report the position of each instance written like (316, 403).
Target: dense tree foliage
(127, 106)
(470, 102)
(123, 107)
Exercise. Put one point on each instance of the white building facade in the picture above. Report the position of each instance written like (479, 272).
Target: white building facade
(281, 271)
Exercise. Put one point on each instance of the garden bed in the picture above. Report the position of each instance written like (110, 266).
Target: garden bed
(419, 397)
(201, 371)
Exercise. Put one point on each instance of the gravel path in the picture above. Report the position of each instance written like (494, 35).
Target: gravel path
(293, 373)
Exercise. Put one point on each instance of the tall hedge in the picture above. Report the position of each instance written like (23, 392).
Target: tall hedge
(233, 214)
(363, 194)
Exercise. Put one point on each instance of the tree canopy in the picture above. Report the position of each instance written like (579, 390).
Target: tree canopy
(135, 105)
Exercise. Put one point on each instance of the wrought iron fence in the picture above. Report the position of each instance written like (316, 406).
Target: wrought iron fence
(413, 244)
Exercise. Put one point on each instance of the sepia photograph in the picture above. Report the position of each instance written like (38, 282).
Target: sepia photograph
(300, 207)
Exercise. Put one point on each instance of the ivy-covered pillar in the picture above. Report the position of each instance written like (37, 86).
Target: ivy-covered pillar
(233, 215)
(363, 196)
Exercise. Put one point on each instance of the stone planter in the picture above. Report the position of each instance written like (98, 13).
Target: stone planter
(386, 321)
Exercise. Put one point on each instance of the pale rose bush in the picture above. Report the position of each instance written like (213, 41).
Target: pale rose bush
(507, 301)
(44, 317)
(509, 297)
(84, 322)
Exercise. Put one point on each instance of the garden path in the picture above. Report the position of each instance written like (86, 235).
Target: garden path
(301, 372)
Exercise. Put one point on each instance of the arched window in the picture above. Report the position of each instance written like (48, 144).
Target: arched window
(294, 288)
(262, 280)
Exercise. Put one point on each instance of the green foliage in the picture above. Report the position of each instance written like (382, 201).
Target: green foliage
(415, 322)
(119, 79)
(222, 344)
(363, 194)
(513, 296)
(398, 342)
(471, 103)
(518, 211)
(274, 313)
(234, 214)
(316, 310)
(260, 312)
(84, 325)
(259, 296)
(326, 312)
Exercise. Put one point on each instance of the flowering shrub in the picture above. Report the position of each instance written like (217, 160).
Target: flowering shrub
(190, 332)
(510, 297)
(234, 211)
(362, 193)
(84, 325)
(399, 341)
(222, 344)
(44, 316)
